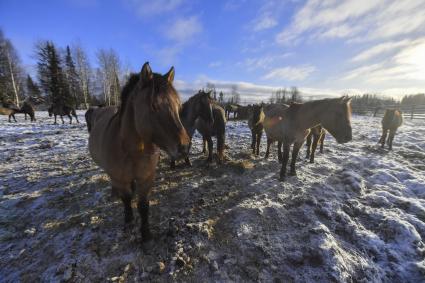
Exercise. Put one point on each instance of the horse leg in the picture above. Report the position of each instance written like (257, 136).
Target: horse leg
(322, 140)
(279, 151)
(210, 148)
(383, 137)
(63, 122)
(258, 142)
(253, 140)
(220, 147)
(295, 150)
(144, 187)
(76, 118)
(308, 145)
(269, 142)
(285, 157)
(204, 144)
(25, 116)
(173, 164)
(125, 193)
(187, 160)
(70, 118)
(390, 139)
(313, 147)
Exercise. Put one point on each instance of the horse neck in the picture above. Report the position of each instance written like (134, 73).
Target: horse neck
(187, 116)
(129, 135)
(311, 114)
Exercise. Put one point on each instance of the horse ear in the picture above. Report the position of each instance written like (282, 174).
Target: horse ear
(170, 75)
(146, 73)
(347, 99)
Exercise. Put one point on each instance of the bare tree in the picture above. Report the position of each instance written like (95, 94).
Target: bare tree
(109, 66)
(84, 72)
(11, 73)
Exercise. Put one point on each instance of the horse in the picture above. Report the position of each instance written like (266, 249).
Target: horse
(244, 112)
(208, 130)
(28, 108)
(10, 110)
(390, 122)
(231, 108)
(317, 134)
(255, 123)
(199, 105)
(273, 118)
(333, 114)
(125, 140)
(62, 110)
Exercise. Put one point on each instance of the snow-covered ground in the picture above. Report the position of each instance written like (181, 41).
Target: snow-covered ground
(357, 214)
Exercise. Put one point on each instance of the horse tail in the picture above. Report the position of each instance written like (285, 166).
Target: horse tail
(88, 117)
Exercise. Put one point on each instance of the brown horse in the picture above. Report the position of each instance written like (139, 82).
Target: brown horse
(255, 123)
(62, 110)
(199, 105)
(317, 135)
(217, 128)
(333, 114)
(390, 122)
(10, 110)
(125, 141)
(272, 120)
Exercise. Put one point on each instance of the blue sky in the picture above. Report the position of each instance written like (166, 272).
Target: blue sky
(324, 47)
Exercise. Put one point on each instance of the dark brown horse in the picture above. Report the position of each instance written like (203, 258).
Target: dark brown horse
(333, 114)
(28, 108)
(125, 141)
(255, 123)
(217, 129)
(315, 137)
(390, 122)
(198, 106)
(62, 110)
(231, 108)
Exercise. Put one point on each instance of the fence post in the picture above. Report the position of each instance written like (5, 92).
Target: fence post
(413, 111)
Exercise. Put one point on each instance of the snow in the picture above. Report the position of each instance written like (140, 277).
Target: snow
(357, 214)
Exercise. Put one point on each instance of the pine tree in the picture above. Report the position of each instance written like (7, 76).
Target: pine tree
(51, 75)
(33, 89)
(72, 79)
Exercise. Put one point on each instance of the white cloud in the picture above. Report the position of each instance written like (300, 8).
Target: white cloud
(379, 49)
(215, 64)
(265, 62)
(290, 73)
(149, 8)
(358, 20)
(265, 22)
(183, 29)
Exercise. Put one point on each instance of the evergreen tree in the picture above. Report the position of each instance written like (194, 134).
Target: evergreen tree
(51, 75)
(33, 89)
(72, 79)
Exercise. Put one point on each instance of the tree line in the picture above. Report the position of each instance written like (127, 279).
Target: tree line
(63, 75)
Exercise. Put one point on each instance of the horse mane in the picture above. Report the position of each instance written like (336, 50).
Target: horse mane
(158, 85)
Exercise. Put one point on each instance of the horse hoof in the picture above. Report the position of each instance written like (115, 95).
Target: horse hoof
(311, 161)
(282, 178)
(146, 236)
(292, 173)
